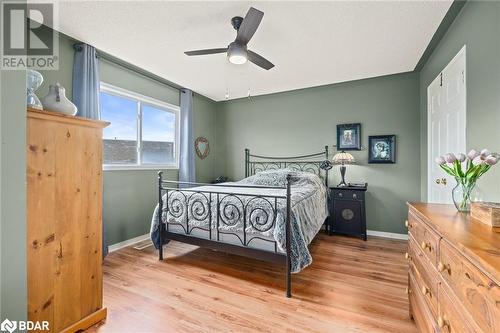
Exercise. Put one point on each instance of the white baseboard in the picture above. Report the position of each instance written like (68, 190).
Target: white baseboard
(387, 234)
(128, 242)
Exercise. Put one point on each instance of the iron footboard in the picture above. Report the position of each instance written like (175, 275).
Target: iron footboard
(225, 210)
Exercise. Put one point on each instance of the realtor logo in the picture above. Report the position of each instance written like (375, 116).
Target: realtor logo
(8, 326)
(26, 40)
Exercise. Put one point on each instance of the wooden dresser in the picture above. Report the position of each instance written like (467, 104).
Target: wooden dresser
(454, 271)
(64, 213)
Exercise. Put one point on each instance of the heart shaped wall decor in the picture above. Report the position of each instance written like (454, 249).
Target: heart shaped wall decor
(202, 147)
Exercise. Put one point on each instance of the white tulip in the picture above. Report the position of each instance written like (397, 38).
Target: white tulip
(472, 154)
(450, 158)
(478, 160)
(485, 152)
(491, 160)
(440, 160)
(461, 157)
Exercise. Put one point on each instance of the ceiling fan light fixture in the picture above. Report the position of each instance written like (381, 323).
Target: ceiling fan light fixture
(237, 54)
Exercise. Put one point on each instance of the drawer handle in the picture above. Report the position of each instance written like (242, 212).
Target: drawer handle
(424, 245)
(354, 196)
(340, 194)
(443, 322)
(426, 291)
(407, 256)
(407, 224)
(407, 291)
(444, 267)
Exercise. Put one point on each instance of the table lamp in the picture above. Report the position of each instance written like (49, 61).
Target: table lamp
(343, 159)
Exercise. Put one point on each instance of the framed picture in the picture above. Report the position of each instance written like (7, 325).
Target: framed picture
(382, 149)
(349, 137)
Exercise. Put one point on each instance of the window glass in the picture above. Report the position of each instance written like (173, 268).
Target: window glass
(158, 136)
(120, 137)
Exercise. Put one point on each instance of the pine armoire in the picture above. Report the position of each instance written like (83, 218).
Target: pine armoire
(64, 220)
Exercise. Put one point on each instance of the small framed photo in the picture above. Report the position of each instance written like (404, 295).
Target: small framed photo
(349, 137)
(382, 149)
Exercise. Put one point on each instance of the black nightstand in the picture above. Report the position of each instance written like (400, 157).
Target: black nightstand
(347, 211)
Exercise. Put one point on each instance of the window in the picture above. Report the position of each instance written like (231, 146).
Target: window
(144, 132)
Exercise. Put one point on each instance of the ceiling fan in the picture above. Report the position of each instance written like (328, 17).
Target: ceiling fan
(237, 52)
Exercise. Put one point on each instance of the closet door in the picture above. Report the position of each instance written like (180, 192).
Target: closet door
(446, 116)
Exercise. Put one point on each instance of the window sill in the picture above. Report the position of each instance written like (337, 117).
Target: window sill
(139, 167)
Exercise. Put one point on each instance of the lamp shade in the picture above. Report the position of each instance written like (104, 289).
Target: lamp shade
(343, 158)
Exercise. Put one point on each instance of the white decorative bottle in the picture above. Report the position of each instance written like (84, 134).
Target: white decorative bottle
(57, 101)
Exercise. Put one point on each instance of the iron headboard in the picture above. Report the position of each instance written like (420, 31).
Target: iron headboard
(309, 163)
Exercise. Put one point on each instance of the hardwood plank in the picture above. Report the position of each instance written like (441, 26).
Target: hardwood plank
(352, 286)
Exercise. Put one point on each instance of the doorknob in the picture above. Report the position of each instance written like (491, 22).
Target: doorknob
(441, 181)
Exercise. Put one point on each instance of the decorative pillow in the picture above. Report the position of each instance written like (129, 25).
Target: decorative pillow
(275, 177)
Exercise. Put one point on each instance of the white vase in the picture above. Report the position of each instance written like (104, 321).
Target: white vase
(57, 101)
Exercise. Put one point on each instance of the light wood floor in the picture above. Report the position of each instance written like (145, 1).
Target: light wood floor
(352, 286)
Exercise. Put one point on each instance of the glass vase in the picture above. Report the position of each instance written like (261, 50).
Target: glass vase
(463, 194)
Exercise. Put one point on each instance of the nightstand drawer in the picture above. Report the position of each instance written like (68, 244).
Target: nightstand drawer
(348, 195)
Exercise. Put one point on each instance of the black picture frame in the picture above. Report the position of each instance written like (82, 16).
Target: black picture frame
(382, 149)
(349, 136)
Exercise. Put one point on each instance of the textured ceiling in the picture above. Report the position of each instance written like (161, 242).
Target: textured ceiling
(311, 43)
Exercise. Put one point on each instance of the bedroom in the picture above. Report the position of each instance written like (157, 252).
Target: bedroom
(370, 83)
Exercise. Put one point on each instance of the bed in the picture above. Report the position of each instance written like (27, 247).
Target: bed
(272, 214)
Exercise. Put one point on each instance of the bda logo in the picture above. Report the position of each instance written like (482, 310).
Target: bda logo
(8, 325)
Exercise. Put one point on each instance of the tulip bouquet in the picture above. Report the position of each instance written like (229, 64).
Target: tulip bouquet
(466, 169)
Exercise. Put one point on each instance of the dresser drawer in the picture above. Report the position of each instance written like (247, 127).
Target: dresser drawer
(452, 318)
(426, 238)
(419, 310)
(425, 276)
(479, 294)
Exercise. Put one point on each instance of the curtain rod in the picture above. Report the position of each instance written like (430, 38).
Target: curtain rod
(119, 62)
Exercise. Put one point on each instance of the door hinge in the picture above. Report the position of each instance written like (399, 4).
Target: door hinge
(441, 79)
(463, 77)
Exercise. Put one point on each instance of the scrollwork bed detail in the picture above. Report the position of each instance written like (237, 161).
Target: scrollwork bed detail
(258, 163)
(202, 214)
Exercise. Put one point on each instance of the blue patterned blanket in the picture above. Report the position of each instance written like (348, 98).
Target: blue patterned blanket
(309, 210)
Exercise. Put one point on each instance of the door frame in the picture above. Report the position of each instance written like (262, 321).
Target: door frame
(430, 159)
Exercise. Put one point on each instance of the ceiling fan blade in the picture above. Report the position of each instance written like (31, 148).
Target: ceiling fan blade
(259, 60)
(249, 25)
(206, 51)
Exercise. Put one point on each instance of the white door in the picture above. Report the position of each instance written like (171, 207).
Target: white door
(446, 118)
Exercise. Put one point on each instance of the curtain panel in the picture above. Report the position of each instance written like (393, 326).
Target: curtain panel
(86, 81)
(186, 152)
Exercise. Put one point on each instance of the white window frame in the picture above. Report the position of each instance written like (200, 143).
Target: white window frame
(141, 99)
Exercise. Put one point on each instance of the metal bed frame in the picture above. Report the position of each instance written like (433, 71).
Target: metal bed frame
(179, 208)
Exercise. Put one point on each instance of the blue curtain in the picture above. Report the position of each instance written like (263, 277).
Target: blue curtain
(186, 152)
(86, 86)
(86, 81)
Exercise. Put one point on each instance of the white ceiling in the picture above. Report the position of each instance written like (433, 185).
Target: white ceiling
(311, 43)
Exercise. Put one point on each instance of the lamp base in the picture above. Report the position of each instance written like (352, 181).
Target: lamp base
(342, 173)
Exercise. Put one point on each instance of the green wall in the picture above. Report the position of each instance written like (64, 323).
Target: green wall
(130, 196)
(304, 121)
(478, 27)
(13, 195)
